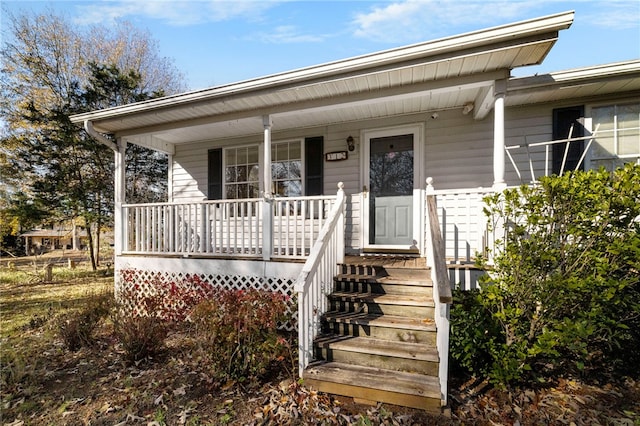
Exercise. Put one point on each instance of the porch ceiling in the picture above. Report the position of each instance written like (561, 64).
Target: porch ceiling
(436, 75)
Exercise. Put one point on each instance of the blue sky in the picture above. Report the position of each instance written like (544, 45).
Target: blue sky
(216, 42)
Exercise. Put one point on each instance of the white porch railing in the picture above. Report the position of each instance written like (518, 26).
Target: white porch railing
(463, 222)
(442, 296)
(315, 282)
(225, 227)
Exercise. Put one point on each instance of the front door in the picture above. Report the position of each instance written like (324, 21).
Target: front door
(389, 190)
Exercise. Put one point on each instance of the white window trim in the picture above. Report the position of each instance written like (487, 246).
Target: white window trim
(260, 147)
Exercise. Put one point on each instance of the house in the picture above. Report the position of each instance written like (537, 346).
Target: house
(39, 240)
(323, 182)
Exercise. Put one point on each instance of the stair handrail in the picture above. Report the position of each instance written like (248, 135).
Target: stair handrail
(315, 281)
(441, 287)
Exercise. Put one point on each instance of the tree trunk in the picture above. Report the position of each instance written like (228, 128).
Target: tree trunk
(91, 248)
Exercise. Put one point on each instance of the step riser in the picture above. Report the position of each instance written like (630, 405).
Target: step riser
(361, 269)
(378, 288)
(383, 333)
(428, 368)
(413, 401)
(377, 308)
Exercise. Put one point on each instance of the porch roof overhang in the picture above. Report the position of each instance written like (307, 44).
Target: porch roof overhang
(581, 83)
(442, 74)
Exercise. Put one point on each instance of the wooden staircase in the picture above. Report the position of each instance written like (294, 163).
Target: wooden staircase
(378, 337)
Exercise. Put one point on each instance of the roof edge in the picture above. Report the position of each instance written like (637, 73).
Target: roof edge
(541, 25)
(575, 75)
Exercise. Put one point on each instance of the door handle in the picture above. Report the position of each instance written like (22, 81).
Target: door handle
(365, 191)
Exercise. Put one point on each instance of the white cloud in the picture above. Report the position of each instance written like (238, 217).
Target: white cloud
(413, 20)
(173, 12)
(289, 34)
(623, 14)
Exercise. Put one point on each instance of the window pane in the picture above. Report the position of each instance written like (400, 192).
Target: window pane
(230, 157)
(628, 123)
(243, 191)
(295, 169)
(254, 173)
(603, 120)
(254, 190)
(293, 188)
(278, 171)
(282, 152)
(252, 155)
(242, 173)
(295, 151)
(230, 174)
(231, 192)
(241, 156)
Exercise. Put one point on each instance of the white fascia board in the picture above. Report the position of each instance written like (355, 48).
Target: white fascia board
(399, 55)
(575, 76)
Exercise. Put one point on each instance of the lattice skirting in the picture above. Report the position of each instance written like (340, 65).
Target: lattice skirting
(179, 289)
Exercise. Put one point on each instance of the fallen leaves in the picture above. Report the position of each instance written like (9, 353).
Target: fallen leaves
(569, 402)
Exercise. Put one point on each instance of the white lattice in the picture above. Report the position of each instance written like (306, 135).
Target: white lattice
(140, 284)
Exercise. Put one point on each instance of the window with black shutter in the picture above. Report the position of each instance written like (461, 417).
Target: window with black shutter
(239, 178)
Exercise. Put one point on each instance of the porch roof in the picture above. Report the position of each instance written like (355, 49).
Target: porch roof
(579, 83)
(434, 75)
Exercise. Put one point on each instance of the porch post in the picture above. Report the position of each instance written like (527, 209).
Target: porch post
(120, 220)
(498, 136)
(267, 210)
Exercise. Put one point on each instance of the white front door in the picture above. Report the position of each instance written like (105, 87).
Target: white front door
(390, 181)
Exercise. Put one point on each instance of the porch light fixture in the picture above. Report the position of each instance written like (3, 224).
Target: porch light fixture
(468, 107)
(350, 144)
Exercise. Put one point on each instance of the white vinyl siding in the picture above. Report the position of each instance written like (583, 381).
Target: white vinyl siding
(457, 154)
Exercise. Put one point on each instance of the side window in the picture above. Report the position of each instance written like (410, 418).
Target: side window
(567, 123)
(616, 135)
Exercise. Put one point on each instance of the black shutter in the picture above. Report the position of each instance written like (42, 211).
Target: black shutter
(314, 161)
(214, 183)
(563, 118)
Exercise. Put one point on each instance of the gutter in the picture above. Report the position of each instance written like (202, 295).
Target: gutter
(88, 126)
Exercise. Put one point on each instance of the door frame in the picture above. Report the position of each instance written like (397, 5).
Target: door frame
(417, 129)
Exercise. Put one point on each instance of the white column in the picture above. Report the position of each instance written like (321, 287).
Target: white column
(267, 209)
(498, 136)
(120, 221)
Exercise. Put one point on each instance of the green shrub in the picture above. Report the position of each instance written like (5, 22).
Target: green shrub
(474, 333)
(564, 286)
(238, 329)
(76, 328)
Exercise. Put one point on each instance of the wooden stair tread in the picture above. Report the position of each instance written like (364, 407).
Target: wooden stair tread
(367, 345)
(390, 321)
(385, 299)
(355, 278)
(409, 262)
(374, 378)
(422, 281)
